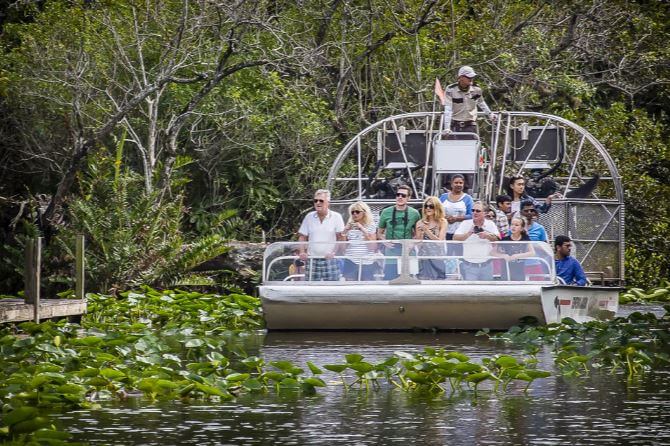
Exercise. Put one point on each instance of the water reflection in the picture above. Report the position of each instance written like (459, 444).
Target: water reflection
(599, 409)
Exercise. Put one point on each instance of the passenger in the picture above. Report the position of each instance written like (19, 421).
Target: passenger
(297, 268)
(477, 235)
(514, 252)
(497, 266)
(568, 269)
(457, 208)
(460, 101)
(535, 230)
(503, 213)
(359, 231)
(432, 226)
(322, 228)
(517, 190)
(396, 223)
(536, 233)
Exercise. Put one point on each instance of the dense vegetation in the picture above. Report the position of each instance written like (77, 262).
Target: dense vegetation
(160, 129)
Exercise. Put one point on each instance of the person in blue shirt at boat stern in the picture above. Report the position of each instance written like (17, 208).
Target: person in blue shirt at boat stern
(568, 269)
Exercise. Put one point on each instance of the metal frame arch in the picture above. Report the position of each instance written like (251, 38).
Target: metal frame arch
(592, 139)
(337, 163)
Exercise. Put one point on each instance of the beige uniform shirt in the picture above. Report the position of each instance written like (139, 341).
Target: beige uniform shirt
(462, 105)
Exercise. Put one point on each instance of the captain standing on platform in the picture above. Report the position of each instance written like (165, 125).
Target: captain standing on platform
(460, 101)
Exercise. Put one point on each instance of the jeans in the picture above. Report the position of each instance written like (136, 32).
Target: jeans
(477, 271)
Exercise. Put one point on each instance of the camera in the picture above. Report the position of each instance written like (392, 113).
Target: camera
(477, 229)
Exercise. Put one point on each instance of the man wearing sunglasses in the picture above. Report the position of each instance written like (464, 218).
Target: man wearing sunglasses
(322, 228)
(397, 223)
(477, 235)
(536, 231)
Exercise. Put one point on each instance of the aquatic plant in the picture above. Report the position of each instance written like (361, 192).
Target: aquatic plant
(435, 369)
(158, 344)
(634, 344)
(660, 293)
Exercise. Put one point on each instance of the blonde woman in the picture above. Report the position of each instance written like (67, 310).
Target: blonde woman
(433, 227)
(360, 230)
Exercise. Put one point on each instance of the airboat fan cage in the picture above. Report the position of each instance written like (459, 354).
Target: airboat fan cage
(553, 154)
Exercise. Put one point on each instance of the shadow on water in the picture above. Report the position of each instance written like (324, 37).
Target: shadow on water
(597, 409)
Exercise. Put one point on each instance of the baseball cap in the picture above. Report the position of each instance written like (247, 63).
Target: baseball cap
(466, 71)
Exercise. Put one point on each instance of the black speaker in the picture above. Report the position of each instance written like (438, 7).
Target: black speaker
(544, 145)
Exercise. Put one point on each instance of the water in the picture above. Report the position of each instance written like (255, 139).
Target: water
(594, 410)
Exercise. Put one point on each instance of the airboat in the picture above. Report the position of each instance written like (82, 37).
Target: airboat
(554, 154)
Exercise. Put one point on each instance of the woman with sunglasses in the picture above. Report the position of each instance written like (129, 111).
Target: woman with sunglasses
(360, 231)
(432, 227)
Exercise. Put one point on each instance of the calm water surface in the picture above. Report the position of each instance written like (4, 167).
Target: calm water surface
(600, 409)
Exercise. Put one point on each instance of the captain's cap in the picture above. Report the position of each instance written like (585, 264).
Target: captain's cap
(466, 71)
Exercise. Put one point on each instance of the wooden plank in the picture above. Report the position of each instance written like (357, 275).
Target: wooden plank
(16, 310)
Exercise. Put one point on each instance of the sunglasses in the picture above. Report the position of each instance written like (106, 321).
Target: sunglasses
(355, 212)
(319, 200)
(429, 206)
(400, 194)
(477, 210)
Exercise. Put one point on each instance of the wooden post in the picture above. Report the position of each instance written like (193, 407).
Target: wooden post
(79, 268)
(32, 275)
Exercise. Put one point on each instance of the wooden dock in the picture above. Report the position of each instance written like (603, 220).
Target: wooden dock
(33, 307)
(17, 310)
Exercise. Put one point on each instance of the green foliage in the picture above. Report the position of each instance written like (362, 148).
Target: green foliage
(163, 345)
(263, 140)
(638, 145)
(133, 236)
(434, 369)
(633, 344)
(660, 293)
(174, 308)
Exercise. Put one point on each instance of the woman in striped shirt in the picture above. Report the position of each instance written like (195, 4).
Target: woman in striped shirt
(360, 231)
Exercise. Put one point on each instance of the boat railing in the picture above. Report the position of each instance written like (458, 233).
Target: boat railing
(408, 262)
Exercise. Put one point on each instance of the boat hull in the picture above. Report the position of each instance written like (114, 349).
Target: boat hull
(423, 306)
(583, 304)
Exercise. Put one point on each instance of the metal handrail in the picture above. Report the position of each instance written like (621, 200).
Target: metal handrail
(409, 251)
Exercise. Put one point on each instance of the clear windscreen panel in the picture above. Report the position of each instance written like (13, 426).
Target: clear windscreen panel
(429, 261)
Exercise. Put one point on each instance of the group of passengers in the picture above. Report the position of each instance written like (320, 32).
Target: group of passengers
(452, 216)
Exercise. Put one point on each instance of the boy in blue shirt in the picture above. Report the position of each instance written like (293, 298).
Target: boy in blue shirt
(567, 267)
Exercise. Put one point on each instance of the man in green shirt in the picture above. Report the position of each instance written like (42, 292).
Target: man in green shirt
(397, 223)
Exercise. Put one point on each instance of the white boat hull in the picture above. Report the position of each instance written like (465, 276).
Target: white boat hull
(583, 304)
(424, 306)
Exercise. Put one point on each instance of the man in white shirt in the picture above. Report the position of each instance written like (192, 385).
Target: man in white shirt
(321, 228)
(477, 235)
